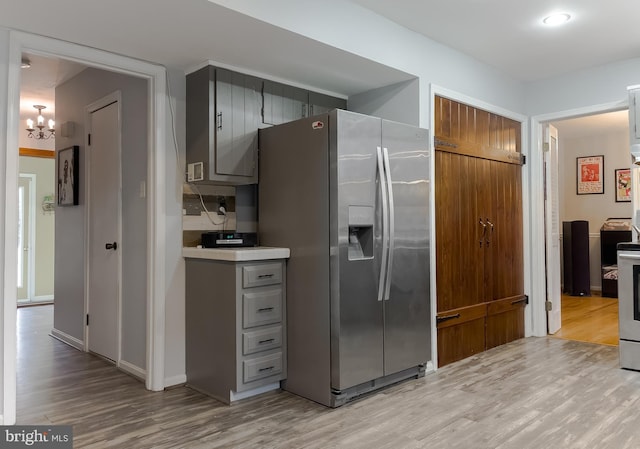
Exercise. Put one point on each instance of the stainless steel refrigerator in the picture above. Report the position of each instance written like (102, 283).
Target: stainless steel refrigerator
(349, 195)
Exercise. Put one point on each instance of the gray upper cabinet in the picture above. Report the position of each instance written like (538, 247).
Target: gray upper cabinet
(223, 114)
(320, 103)
(283, 103)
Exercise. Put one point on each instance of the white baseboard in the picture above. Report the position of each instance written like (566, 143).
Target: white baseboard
(430, 368)
(68, 339)
(175, 380)
(42, 298)
(132, 369)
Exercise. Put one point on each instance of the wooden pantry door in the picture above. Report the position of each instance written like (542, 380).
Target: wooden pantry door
(478, 188)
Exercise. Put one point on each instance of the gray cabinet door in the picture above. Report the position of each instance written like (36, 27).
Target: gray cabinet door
(296, 103)
(237, 107)
(283, 103)
(320, 103)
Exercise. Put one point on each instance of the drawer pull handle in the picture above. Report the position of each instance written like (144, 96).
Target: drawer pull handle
(265, 309)
(268, 340)
(518, 301)
(261, 370)
(442, 319)
(263, 276)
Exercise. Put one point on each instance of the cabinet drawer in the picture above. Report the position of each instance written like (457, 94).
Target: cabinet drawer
(258, 275)
(260, 367)
(262, 307)
(261, 340)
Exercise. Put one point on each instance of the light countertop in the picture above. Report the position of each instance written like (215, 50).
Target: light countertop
(236, 254)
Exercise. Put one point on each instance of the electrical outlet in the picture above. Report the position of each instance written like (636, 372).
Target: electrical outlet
(222, 205)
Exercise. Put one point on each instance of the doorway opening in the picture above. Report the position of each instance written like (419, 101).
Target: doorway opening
(37, 160)
(153, 246)
(591, 313)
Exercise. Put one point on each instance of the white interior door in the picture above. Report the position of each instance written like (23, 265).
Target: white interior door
(104, 230)
(25, 236)
(552, 228)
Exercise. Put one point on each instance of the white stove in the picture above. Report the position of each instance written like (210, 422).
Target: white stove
(629, 304)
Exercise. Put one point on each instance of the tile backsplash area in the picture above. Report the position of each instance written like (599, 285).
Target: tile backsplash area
(201, 211)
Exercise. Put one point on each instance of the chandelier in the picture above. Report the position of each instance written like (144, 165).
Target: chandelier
(40, 134)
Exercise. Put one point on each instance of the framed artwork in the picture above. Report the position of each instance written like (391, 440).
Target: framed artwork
(590, 175)
(68, 176)
(623, 185)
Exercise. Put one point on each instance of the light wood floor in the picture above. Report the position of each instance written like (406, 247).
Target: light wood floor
(591, 319)
(531, 393)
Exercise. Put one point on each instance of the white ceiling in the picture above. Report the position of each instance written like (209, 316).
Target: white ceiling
(37, 83)
(505, 34)
(509, 34)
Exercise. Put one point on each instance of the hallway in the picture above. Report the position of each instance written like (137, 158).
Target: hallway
(531, 393)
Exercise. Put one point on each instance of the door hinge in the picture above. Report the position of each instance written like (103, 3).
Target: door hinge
(524, 159)
(548, 306)
(87, 319)
(545, 147)
(89, 139)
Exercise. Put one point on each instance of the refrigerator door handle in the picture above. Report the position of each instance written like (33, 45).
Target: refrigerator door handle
(392, 221)
(385, 225)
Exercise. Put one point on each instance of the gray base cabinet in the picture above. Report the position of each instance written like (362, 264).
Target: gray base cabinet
(235, 325)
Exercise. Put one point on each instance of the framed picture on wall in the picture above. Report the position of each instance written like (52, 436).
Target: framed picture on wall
(623, 185)
(590, 175)
(68, 171)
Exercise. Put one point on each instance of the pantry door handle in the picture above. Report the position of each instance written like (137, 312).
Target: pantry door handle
(491, 234)
(442, 319)
(113, 246)
(484, 231)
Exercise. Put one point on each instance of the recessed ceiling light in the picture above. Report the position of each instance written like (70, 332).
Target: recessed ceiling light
(556, 19)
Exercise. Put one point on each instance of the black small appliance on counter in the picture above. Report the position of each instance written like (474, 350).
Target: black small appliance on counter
(229, 239)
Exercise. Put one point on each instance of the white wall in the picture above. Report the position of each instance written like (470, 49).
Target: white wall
(596, 208)
(355, 29)
(7, 279)
(72, 97)
(584, 88)
(27, 142)
(174, 176)
(44, 169)
(398, 102)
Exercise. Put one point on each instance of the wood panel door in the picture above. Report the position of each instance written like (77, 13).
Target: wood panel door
(479, 231)
(460, 255)
(459, 233)
(504, 247)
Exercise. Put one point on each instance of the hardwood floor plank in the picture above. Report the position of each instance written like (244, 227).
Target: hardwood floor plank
(530, 393)
(591, 319)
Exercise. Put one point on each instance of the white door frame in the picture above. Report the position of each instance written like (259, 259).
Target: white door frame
(115, 97)
(526, 236)
(156, 221)
(538, 286)
(552, 229)
(31, 255)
